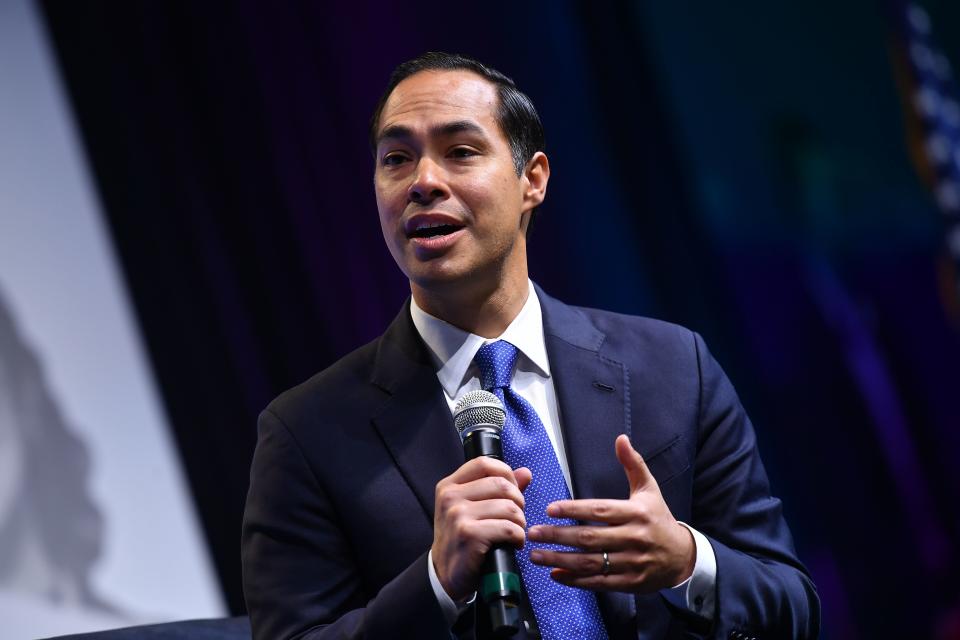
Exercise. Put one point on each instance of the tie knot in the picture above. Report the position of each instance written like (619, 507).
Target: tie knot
(495, 361)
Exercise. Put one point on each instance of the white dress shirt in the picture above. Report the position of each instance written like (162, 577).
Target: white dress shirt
(453, 349)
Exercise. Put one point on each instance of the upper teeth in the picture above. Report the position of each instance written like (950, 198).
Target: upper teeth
(430, 225)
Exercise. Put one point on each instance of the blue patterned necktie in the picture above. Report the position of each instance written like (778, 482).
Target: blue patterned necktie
(563, 613)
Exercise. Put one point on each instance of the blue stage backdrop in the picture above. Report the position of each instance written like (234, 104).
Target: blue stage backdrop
(743, 171)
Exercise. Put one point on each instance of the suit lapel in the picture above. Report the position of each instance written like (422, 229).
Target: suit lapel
(593, 396)
(415, 422)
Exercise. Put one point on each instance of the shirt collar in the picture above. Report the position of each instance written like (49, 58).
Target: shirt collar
(453, 349)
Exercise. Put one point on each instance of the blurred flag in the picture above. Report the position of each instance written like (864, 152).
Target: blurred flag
(933, 127)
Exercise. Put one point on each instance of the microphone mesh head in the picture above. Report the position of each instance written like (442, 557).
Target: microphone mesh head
(479, 407)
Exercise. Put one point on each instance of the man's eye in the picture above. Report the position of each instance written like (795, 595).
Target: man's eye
(462, 152)
(393, 159)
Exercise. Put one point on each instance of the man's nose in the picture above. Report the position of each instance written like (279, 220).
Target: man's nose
(428, 183)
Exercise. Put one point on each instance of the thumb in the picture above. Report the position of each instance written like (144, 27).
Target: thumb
(638, 475)
(523, 477)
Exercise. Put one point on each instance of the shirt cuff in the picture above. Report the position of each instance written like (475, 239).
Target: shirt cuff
(698, 592)
(451, 610)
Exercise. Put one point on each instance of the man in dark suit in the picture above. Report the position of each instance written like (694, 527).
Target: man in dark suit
(364, 521)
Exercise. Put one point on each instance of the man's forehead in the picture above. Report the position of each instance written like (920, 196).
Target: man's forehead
(431, 96)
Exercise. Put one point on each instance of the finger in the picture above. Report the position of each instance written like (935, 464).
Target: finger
(523, 477)
(580, 564)
(638, 475)
(612, 582)
(493, 532)
(490, 488)
(593, 510)
(588, 538)
(481, 467)
(495, 510)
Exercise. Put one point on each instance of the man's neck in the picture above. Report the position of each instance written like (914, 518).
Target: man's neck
(484, 312)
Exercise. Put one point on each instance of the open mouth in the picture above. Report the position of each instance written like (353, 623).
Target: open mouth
(432, 231)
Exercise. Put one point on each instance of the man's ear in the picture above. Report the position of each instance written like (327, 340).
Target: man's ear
(535, 177)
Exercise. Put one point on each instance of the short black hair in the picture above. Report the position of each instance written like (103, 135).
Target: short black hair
(515, 114)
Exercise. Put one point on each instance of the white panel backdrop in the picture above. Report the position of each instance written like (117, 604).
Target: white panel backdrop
(97, 527)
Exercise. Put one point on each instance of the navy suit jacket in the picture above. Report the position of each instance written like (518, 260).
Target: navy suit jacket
(339, 517)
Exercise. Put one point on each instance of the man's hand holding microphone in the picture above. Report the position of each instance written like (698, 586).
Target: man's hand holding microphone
(632, 545)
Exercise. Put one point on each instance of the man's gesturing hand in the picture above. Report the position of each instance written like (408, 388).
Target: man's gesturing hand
(476, 507)
(647, 548)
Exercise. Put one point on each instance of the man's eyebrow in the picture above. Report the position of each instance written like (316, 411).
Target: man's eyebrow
(395, 131)
(399, 131)
(458, 126)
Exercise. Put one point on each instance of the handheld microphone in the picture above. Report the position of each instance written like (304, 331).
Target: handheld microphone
(479, 417)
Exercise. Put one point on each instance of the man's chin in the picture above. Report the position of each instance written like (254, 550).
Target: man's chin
(444, 275)
(439, 281)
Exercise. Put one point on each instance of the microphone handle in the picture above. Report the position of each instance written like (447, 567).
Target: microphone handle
(499, 586)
